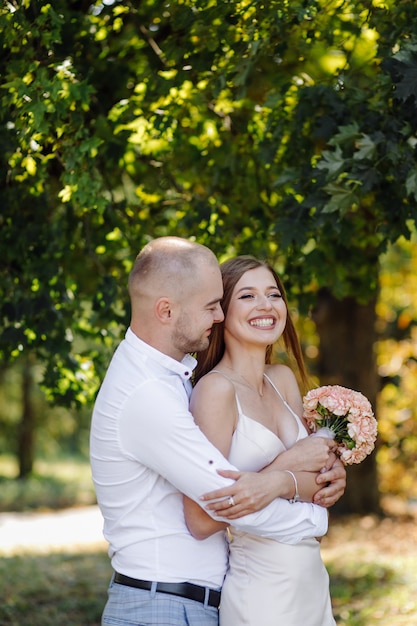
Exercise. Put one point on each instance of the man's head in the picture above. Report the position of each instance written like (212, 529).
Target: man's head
(175, 288)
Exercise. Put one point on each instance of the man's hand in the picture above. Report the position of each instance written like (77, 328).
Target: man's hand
(334, 485)
(251, 492)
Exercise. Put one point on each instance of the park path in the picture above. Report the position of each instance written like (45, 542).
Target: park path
(51, 531)
(81, 527)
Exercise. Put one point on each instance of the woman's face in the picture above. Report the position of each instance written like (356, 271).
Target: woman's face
(257, 312)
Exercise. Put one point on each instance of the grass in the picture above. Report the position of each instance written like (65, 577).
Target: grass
(60, 588)
(372, 561)
(372, 565)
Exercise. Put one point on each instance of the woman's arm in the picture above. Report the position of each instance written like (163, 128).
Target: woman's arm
(199, 523)
(216, 415)
(321, 477)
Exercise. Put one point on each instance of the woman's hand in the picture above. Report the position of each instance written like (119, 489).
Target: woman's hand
(334, 485)
(310, 454)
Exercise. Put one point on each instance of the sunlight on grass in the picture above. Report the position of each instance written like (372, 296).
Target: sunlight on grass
(373, 571)
(70, 469)
(8, 466)
(54, 484)
(375, 592)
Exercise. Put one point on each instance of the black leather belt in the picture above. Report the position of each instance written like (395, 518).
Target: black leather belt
(185, 590)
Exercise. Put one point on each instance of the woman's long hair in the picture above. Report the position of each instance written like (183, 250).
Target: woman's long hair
(232, 271)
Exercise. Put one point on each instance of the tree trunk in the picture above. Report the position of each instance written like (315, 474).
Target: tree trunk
(25, 452)
(346, 330)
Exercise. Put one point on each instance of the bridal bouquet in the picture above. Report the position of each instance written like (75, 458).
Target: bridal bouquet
(344, 415)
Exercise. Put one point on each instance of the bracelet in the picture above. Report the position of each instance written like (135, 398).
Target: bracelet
(296, 497)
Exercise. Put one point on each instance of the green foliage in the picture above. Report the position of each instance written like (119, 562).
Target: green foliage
(58, 429)
(53, 204)
(286, 130)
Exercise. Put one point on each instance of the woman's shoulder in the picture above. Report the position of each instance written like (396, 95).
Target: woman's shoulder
(215, 381)
(213, 402)
(280, 372)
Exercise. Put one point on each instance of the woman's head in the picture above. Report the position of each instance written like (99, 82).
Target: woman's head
(232, 271)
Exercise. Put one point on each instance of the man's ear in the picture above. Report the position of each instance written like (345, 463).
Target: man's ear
(163, 310)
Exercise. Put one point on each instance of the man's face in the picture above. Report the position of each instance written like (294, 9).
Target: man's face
(199, 311)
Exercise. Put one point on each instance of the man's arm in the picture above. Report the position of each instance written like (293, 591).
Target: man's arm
(250, 494)
(201, 525)
(174, 447)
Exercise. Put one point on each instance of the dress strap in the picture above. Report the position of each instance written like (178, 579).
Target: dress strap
(282, 398)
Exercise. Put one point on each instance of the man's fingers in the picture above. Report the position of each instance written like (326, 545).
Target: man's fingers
(225, 492)
(230, 474)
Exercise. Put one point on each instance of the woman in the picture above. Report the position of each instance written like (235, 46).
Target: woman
(251, 410)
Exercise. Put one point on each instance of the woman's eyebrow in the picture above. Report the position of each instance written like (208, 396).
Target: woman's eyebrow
(249, 287)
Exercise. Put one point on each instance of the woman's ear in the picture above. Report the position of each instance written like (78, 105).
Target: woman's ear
(163, 310)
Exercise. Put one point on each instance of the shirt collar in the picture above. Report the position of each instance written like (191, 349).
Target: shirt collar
(183, 368)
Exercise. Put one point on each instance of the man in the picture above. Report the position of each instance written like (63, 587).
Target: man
(146, 451)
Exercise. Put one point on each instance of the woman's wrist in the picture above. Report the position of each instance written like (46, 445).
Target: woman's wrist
(296, 495)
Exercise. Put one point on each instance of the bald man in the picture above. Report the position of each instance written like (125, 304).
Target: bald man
(146, 451)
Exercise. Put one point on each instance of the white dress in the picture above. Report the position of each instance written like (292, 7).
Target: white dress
(269, 583)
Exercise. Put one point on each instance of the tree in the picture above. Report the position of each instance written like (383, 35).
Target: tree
(397, 364)
(284, 130)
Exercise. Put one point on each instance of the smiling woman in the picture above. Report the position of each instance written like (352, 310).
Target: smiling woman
(251, 410)
(232, 272)
(255, 304)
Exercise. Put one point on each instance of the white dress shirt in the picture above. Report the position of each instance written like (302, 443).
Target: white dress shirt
(146, 451)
